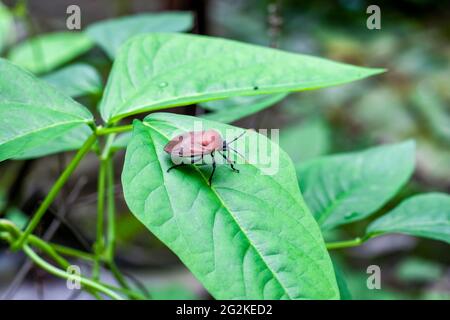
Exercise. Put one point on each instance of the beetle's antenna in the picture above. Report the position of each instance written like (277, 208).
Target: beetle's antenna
(237, 153)
(236, 138)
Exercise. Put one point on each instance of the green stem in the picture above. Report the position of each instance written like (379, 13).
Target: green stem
(349, 243)
(118, 275)
(44, 246)
(106, 153)
(9, 227)
(10, 232)
(111, 238)
(132, 294)
(54, 191)
(100, 242)
(62, 274)
(111, 231)
(70, 252)
(118, 129)
(15, 233)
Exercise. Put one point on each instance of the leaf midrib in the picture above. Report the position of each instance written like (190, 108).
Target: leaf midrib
(77, 116)
(286, 87)
(294, 199)
(54, 125)
(234, 218)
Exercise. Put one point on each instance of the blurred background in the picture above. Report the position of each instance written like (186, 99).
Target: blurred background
(410, 101)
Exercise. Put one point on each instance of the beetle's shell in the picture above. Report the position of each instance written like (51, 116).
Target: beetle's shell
(194, 143)
(194, 147)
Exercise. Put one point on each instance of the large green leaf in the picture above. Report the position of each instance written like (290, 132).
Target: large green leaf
(157, 71)
(76, 80)
(344, 188)
(68, 141)
(111, 34)
(48, 51)
(6, 26)
(32, 113)
(425, 215)
(232, 109)
(249, 236)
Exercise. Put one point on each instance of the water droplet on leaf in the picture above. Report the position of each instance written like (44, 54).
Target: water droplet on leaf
(163, 84)
(350, 215)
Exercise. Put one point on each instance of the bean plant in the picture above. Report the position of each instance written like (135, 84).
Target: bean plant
(248, 235)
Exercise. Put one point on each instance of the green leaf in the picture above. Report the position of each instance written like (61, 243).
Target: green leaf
(425, 215)
(111, 34)
(416, 269)
(16, 216)
(232, 109)
(68, 141)
(249, 236)
(49, 51)
(340, 189)
(6, 26)
(76, 80)
(32, 113)
(306, 140)
(344, 291)
(157, 71)
(172, 291)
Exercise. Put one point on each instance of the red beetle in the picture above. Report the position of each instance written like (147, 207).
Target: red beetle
(200, 147)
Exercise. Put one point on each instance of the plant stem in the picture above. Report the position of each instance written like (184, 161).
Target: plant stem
(111, 237)
(349, 243)
(54, 191)
(100, 242)
(44, 246)
(10, 232)
(118, 275)
(118, 129)
(111, 227)
(62, 274)
(132, 294)
(72, 252)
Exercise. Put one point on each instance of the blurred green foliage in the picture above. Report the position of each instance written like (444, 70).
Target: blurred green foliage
(410, 101)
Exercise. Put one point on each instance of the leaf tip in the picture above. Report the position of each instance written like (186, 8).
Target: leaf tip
(374, 71)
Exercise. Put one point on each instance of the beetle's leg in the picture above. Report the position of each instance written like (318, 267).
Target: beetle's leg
(195, 159)
(232, 163)
(229, 161)
(213, 168)
(175, 166)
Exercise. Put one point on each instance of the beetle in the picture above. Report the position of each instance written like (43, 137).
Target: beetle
(200, 147)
